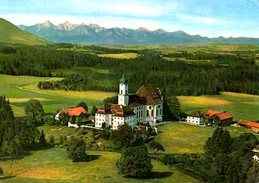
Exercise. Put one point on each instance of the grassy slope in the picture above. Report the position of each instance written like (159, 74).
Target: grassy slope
(20, 88)
(53, 166)
(9, 33)
(182, 138)
(242, 106)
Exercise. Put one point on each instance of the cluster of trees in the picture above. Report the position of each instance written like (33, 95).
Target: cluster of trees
(40, 60)
(16, 135)
(226, 159)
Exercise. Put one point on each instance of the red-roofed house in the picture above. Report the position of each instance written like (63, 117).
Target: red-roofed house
(72, 112)
(252, 125)
(220, 118)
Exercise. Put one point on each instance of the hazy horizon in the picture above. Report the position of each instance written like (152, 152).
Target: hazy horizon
(233, 18)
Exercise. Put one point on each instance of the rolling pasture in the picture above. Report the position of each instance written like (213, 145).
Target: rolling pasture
(242, 106)
(19, 89)
(52, 165)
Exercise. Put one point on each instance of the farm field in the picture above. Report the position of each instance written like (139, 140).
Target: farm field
(120, 55)
(19, 89)
(242, 106)
(52, 165)
(182, 138)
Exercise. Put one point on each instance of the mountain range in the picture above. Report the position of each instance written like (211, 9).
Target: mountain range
(95, 34)
(10, 33)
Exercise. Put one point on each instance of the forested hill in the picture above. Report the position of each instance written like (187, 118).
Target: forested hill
(177, 73)
(94, 34)
(10, 33)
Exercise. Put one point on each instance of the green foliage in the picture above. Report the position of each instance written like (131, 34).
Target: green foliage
(1, 171)
(228, 161)
(61, 140)
(64, 118)
(111, 100)
(156, 146)
(52, 140)
(42, 139)
(220, 142)
(6, 112)
(82, 104)
(34, 112)
(15, 135)
(171, 107)
(135, 162)
(123, 136)
(94, 110)
(76, 149)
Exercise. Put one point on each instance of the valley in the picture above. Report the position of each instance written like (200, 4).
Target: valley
(189, 79)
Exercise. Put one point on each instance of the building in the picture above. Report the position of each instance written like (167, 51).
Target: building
(219, 118)
(252, 125)
(74, 112)
(195, 118)
(145, 106)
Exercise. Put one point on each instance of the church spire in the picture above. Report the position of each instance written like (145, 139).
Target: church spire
(123, 97)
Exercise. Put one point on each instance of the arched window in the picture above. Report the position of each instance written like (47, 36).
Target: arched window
(147, 112)
(121, 91)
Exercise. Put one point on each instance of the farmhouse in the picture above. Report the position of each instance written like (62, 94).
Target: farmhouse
(252, 125)
(146, 105)
(220, 118)
(195, 118)
(74, 112)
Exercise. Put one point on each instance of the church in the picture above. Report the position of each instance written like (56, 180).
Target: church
(145, 106)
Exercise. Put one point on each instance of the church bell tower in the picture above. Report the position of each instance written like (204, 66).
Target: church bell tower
(123, 97)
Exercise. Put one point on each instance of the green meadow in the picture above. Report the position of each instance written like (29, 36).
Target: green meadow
(242, 106)
(19, 89)
(52, 165)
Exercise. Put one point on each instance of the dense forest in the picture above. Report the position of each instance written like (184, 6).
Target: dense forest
(235, 72)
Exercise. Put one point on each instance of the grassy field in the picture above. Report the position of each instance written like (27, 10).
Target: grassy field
(52, 165)
(78, 70)
(242, 106)
(183, 138)
(179, 138)
(21, 88)
(120, 55)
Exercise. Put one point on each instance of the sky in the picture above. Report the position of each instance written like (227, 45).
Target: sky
(210, 18)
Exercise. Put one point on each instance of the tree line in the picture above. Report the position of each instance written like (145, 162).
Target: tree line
(235, 72)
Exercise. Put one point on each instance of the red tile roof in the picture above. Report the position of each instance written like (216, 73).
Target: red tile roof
(248, 123)
(75, 111)
(211, 113)
(117, 110)
(224, 115)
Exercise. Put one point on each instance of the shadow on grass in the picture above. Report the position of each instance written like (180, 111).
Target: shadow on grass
(93, 157)
(6, 177)
(155, 175)
(159, 175)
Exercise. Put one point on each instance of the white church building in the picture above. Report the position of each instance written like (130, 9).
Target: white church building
(145, 106)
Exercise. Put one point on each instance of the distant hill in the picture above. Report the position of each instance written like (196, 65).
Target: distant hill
(10, 33)
(94, 34)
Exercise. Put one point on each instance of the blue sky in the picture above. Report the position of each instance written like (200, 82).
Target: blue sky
(210, 18)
